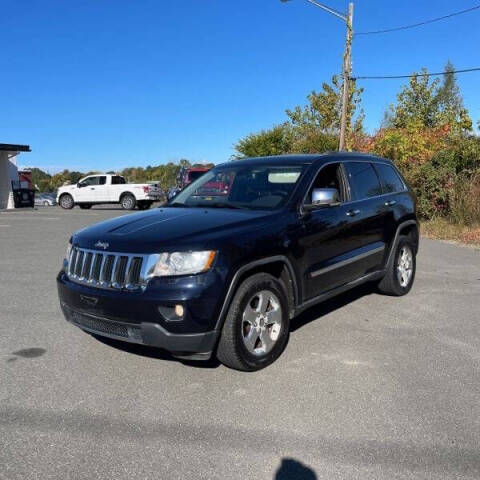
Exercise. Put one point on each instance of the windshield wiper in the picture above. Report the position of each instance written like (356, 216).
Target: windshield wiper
(224, 205)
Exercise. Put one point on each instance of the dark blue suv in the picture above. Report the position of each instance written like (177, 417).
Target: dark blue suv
(225, 265)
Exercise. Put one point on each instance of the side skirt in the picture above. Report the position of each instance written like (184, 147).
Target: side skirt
(336, 291)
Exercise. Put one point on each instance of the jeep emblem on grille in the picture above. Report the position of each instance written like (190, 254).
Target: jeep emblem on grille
(103, 245)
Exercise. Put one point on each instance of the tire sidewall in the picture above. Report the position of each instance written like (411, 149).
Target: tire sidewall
(62, 199)
(131, 202)
(253, 362)
(404, 241)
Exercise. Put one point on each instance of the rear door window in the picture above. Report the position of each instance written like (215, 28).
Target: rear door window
(391, 181)
(364, 182)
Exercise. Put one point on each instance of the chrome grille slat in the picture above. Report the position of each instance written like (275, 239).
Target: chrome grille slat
(108, 270)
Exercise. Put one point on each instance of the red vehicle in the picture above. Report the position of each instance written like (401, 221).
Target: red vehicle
(186, 176)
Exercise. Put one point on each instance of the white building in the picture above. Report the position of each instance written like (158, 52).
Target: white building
(8, 171)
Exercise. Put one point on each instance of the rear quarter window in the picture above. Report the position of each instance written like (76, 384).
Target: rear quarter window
(363, 179)
(391, 181)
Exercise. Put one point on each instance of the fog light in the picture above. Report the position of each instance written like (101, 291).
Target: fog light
(174, 313)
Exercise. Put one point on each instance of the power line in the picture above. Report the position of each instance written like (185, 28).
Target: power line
(385, 77)
(414, 25)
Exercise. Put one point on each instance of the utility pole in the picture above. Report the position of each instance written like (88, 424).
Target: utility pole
(347, 71)
(347, 62)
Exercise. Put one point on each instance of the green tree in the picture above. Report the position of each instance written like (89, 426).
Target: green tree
(416, 103)
(311, 128)
(322, 114)
(452, 111)
(275, 141)
(431, 103)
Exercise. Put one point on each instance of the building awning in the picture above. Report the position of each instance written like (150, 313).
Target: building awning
(7, 147)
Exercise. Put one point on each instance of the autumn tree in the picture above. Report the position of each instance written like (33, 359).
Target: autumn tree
(311, 128)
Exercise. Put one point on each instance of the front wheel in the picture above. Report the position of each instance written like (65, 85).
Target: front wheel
(66, 201)
(401, 271)
(257, 325)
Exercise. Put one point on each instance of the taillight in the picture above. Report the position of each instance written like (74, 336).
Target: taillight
(146, 189)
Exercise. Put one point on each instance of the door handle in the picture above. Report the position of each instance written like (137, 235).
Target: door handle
(352, 213)
(390, 203)
(92, 188)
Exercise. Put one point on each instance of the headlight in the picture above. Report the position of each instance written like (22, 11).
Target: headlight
(69, 250)
(183, 263)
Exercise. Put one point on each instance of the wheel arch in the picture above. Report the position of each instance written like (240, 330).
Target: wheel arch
(407, 228)
(279, 266)
(126, 192)
(62, 194)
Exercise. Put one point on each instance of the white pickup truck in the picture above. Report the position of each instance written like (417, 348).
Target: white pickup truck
(100, 188)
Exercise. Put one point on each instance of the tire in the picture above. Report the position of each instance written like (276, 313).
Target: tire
(45, 204)
(85, 206)
(243, 346)
(128, 201)
(144, 206)
(66, 201)
(400, 274)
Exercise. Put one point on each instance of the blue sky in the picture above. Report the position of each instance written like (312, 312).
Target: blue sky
(105, 84)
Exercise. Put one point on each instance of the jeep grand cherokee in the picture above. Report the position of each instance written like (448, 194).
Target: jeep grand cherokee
(224, 272)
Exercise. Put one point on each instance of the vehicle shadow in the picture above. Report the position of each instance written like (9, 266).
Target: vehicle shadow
(331, 305)
(157, 353)
(313, 313)
(291, 469)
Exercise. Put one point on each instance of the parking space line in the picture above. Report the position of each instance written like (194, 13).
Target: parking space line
(5, 225)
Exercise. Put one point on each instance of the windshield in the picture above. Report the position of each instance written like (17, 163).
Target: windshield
(262, 187)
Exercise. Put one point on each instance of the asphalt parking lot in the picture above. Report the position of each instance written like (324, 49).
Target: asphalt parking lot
(370, 387)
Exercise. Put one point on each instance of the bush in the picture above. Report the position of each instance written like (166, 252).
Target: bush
(465, 200)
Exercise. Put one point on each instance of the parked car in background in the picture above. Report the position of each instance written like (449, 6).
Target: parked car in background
(45, 199)
(101, 189)
(224, 274)
(186, 176)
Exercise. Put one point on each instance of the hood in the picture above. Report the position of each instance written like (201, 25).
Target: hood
(170, 228)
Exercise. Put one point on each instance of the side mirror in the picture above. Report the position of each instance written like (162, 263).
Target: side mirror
(80, 185)
(323, 197)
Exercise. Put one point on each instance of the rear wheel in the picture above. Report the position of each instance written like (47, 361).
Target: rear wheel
(401, 271)
(128, 201)
(66, 201)
(257, 325)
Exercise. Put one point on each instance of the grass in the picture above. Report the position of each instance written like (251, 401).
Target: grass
(442, 229)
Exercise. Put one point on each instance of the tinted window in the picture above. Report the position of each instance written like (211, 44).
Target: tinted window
(102, 180)
(91, 181)
(118, 180)
(194, 175)
(390, 180)
(363, 180)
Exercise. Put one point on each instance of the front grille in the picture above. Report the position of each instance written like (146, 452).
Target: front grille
(105, 326)
(117, 271)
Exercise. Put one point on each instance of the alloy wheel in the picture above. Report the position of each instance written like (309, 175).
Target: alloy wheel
(261, 322)
(405, 266)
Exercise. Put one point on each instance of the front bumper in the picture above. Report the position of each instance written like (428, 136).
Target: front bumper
(134, 318)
